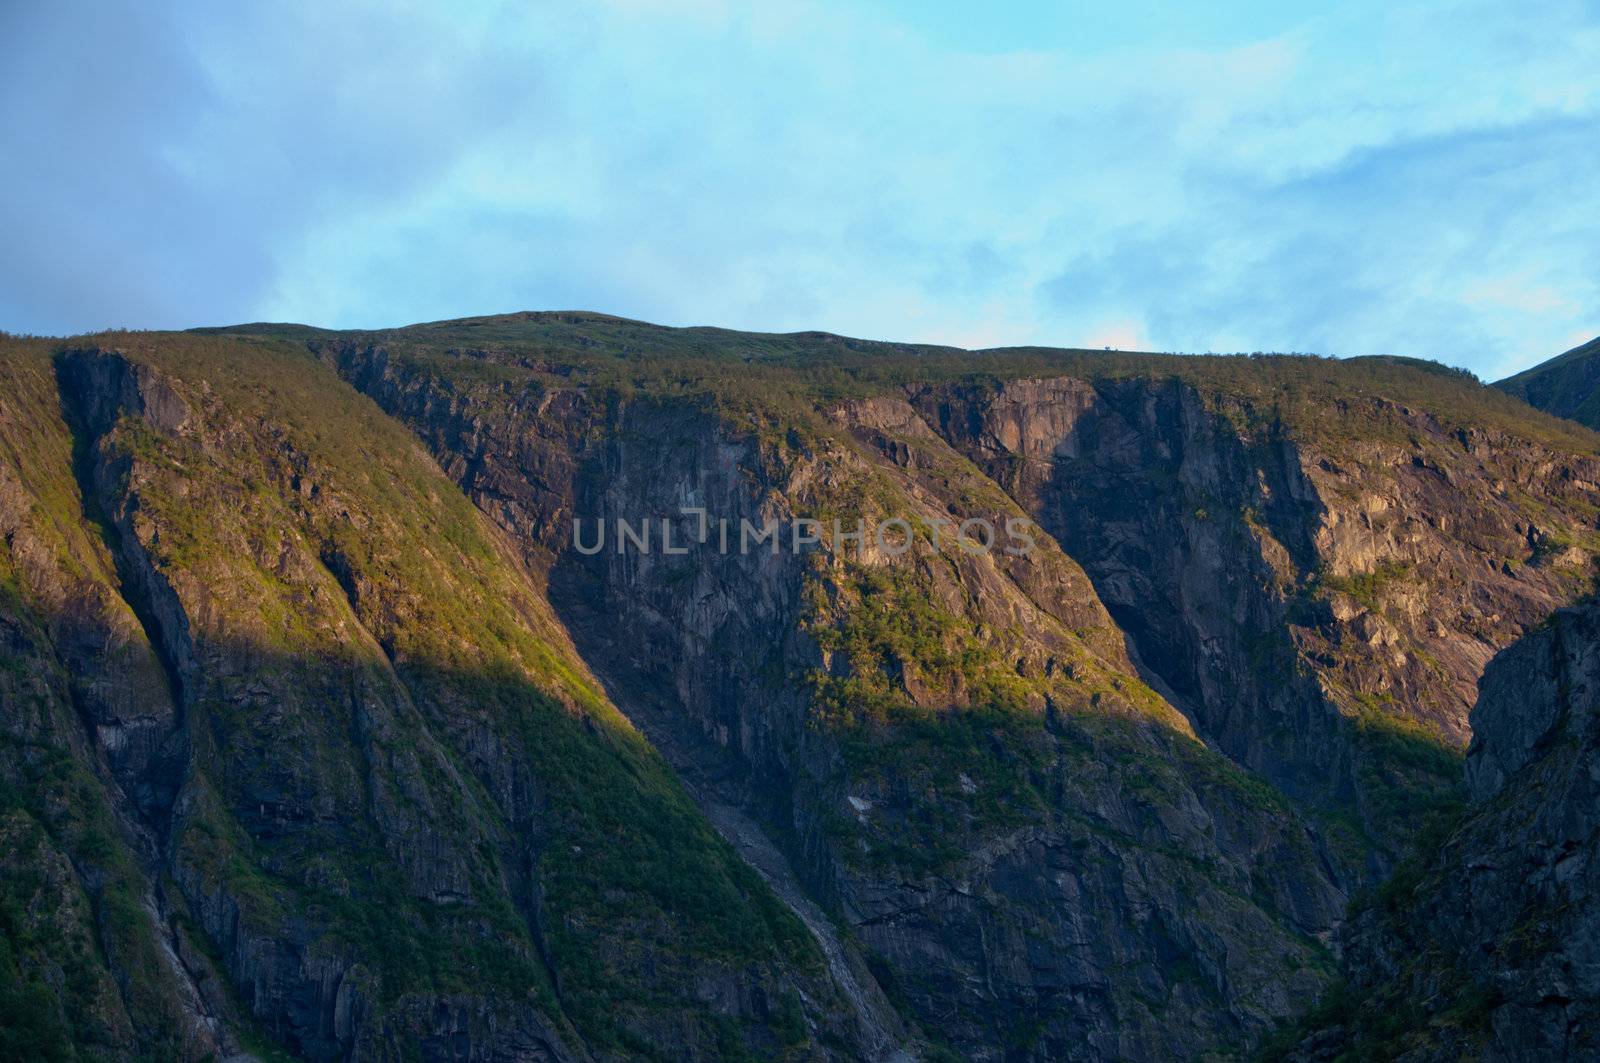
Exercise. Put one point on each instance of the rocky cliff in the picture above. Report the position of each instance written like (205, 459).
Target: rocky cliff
(1027, 847)
(301, 727)
(1318, 588)
(1489, 946)
(328, 737)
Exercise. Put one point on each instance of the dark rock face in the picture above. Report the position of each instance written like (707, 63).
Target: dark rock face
(1536, 744)
(1143, 484)
(1016, 945)
(1281, 585)
(1490, 948)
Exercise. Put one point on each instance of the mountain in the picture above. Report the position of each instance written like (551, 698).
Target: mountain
(1568, 385)
(328, 738)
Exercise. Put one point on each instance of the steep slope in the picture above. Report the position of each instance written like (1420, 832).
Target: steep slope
(366, 785)
(1568, 385)
(1490, 948)
(98, 959)
(954, 750)
(1319, 586)
(357, 763)
(1313, 560)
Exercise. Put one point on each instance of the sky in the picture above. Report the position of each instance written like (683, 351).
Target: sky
(1361, 178)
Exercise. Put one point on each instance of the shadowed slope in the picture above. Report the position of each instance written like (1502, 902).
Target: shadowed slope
(1568, 385)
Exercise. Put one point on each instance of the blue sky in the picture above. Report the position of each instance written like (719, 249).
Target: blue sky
(1381, 178)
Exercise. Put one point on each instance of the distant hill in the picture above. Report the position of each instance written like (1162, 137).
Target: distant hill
(1568, 385)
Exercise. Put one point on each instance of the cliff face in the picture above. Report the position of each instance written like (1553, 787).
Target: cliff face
(327, 736)
(345, 782)
(1528, 902)
(1318, 589)
(96, 957)
(1490, 946)
(1003, 838)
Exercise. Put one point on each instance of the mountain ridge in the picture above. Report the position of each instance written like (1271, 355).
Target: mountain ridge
(1567, 385)
(1107, 800)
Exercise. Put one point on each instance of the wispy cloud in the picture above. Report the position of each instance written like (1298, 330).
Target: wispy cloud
(1410, 178)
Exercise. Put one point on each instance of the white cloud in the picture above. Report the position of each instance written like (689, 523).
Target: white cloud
(1332, 184)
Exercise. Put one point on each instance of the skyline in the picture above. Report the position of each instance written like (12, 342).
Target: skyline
(1386, 179)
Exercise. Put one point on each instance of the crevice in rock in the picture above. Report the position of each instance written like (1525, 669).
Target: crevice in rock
(138, 803)
(96, 389)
